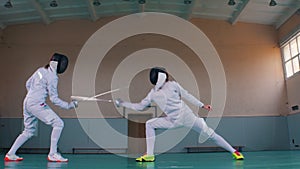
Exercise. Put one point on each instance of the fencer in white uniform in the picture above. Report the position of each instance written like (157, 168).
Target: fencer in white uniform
(168, 96)
(40, 85)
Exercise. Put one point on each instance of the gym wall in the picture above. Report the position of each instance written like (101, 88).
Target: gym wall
(249, 53)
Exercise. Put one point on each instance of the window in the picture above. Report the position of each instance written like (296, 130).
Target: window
(291, 55)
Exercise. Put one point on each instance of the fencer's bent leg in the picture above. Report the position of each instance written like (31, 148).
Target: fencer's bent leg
(49, 117)
(150, 138)
(201, 126)
(21, 139)
(151, 125)
(30, 125)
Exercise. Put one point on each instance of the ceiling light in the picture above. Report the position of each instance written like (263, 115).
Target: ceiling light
(96, 3)
(142, 1)
(231, 2)
(187, 2)
(272, 3)
(8, 4)
(53, 3)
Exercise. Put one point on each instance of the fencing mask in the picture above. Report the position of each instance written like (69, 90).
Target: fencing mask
(62, 62)
(158, 76)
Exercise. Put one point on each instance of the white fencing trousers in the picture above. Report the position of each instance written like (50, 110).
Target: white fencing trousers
(33, 112)
(198, 124)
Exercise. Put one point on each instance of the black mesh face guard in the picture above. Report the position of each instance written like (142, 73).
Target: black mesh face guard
(154, 74)
(62, 62)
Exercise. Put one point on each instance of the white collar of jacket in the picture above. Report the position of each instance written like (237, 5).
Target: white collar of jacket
(161, 79)
(53, 66)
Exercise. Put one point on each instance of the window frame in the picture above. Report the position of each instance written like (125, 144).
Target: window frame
(285, 61)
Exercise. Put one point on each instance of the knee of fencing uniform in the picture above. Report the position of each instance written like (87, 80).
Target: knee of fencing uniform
(54, 121)
(209, 132)
(153, 123)
(58, 122)
(213, 136)
(149, 123)
(28, 134)
(150, 129)
(206, 133)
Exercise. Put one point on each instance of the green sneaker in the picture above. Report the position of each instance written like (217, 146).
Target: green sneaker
(146, 158)
(237, 155)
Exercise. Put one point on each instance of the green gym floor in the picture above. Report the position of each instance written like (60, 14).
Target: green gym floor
(217, 160)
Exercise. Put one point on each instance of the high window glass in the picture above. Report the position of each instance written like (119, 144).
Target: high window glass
(290, 52)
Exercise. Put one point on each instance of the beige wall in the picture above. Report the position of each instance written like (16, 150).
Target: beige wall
(249, 53)
(252, 62)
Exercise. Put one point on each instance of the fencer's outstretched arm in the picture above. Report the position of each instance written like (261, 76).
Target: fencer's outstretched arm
(186, 95)
(53, 94)
(138, 106)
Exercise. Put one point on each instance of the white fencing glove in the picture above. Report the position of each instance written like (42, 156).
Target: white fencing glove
(119, 102)
(74, 104)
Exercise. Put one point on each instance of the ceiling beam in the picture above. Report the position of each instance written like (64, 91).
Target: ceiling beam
(92, 11)
(40, 10)
(142, 7)
(190, 10)
(235, 16)
(288, 14)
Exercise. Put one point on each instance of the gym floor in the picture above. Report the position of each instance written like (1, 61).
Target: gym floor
(216, 160)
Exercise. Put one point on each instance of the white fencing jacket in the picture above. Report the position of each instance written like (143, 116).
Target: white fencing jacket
(168, 98)
(42, 83)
